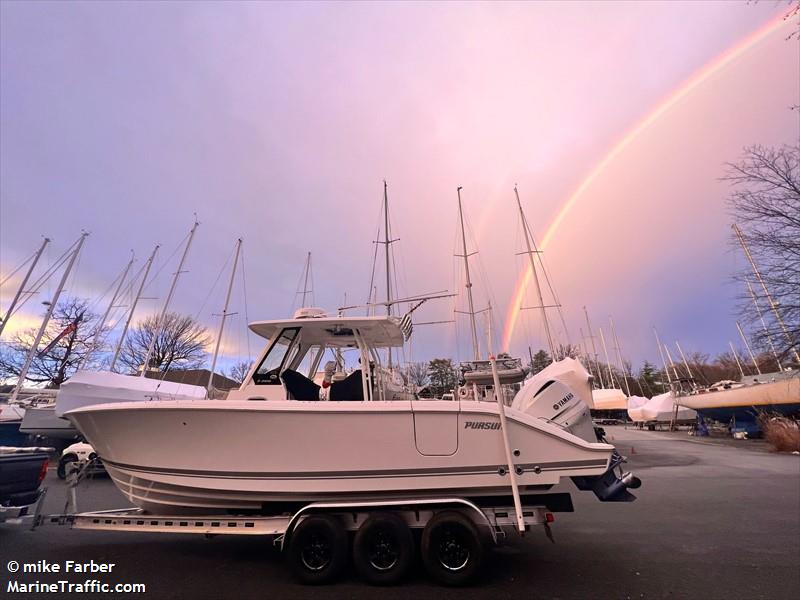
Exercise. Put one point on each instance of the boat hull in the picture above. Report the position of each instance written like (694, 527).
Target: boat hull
(178, 457)
(42, 421)
(745, 403)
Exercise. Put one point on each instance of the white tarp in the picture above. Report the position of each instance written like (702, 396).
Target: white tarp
(568, 371)
(609, 399)
(635, 404)
(101, 387)
(660, 408)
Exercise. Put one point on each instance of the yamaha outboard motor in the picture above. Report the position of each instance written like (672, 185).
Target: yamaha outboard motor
(561, 394)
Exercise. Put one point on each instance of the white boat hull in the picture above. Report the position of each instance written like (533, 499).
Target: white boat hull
(42, 421)
(303, 451)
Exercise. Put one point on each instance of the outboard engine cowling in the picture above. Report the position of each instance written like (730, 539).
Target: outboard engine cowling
(556, 403)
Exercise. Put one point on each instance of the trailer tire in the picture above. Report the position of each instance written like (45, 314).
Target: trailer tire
(317, 552)
(452, 550)
(383, 549)
(65, 464)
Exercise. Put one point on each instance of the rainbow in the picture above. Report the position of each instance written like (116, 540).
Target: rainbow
(697, 79)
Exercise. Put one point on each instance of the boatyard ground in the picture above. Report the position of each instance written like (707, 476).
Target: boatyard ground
(714, 519)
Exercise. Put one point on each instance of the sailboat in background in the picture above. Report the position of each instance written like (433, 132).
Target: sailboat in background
(477, 375)
(14, 412)
(99, 387)
(740, 404)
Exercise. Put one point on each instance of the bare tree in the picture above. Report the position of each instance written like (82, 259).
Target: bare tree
(417, 374)
(240, 370)
(765, 202)
(66, 342)
(180, 343)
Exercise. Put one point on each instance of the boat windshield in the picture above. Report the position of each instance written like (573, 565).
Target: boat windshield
(268, 372)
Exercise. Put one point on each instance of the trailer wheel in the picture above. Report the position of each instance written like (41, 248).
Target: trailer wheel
(317, 550)
(451, 548)
(383, 549)
(65, 465)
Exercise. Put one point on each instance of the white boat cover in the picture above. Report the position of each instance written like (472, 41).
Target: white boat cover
(635, 404)
(568, 371)
(101, 387)
(609, 399)
(660, 408)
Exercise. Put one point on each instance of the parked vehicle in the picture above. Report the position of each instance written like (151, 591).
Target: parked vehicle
(78, 455)
(22, 471)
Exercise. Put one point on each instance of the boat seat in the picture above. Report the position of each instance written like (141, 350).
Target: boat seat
(350, 388)
(299, 386)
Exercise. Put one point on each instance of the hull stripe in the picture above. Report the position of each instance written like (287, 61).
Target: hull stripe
(430, 472)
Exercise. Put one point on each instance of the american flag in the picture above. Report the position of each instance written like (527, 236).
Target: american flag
(406, 326)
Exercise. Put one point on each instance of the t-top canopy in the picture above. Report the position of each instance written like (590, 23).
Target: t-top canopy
(377, 332)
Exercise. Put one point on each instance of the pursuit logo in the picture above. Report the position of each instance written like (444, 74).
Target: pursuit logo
(481, 425)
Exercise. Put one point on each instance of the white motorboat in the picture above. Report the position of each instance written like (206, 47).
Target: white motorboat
(283, 438)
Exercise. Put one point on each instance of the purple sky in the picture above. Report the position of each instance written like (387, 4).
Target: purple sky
(278, 122)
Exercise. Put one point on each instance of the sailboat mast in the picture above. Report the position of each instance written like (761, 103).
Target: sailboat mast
(764, 324)
(772, 303)
(619, 355)
(747, 345)
(683, 358)
(22, 285)
(386, 248)
(118, 348)
(585, 352)
(661, 352)
(225, 314)
(53, 302)
(672, 363)
(594, 348)
(736, 358)
(386, 242)
(538, 287)
(608, 361)
(470, 302)
(111, 304)
(160, 321)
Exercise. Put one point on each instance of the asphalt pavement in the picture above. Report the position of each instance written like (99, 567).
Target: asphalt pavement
(713, 520)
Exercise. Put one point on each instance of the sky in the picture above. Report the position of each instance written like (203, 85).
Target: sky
(278, 122)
